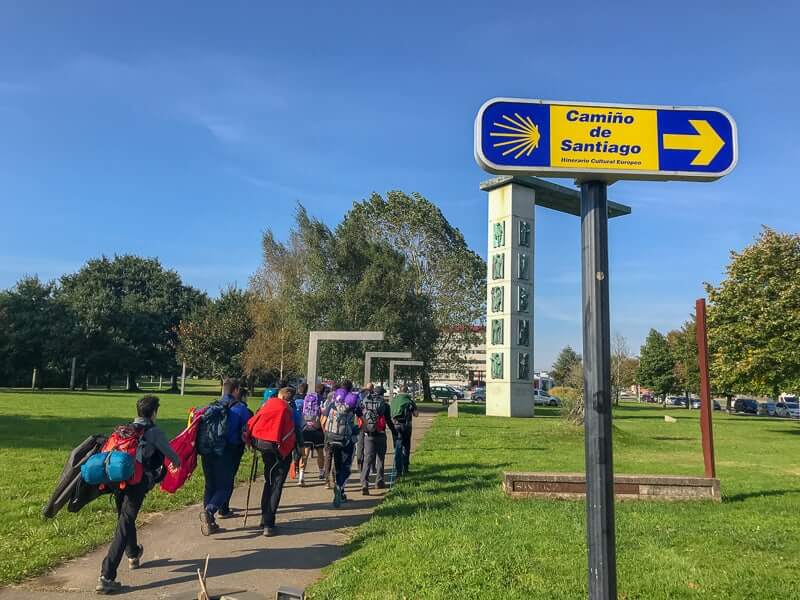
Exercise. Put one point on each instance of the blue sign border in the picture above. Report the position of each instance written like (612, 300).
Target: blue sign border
(539, 166)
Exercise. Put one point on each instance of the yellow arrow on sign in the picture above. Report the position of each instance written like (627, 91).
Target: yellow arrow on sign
(707, 141)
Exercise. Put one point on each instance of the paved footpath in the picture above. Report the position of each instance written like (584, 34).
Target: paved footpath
(242, 560)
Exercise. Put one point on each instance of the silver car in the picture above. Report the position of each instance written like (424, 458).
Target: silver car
(789, 410)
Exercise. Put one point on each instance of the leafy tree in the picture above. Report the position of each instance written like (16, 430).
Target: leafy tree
(441, 268)
(279, 344)
(656, 364)
(683, 346)
(35, 329)
(754, 318)
(563, 367)
(212, 340)
(360, 282)
(127, 311)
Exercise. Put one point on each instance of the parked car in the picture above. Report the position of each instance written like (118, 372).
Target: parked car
(542, 398)
(766, 409)
(745, 405)
(696, 404)
(554, 401)
(676, 401)
(478, 394)
(442, 392)
(790, 410)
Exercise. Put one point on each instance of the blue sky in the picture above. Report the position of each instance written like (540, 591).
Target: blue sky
(183, 130)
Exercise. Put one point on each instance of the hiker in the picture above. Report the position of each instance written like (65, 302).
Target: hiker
(272, 432)
(219, 443)
(296, 405)
(313, 436)
(376, 416)
(151, 450)
(365, 393)
(403, 410)
(329, 394)
(225, 511)
(272, 392)
(340, 435)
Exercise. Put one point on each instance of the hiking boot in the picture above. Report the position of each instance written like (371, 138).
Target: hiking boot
(270, 531)
(133, 561)
(365, 491)
(207, 523)
(380, 485)
(107, 586)
(337, 497)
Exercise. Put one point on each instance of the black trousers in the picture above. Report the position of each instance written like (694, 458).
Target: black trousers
(275, 471)
(129, 502)
(402, 448)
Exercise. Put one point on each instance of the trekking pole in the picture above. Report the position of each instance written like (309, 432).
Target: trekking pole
(251, 479)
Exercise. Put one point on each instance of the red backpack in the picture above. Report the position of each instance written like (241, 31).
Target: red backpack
(126, 438)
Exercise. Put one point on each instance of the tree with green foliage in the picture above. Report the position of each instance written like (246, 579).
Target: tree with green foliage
(656, 364)
(127, 311)
(36, 332)
(440, 268)
(356, 281)
(564, 366)
(212, 339)
(683, 347)
(279, 344)
(754, 318)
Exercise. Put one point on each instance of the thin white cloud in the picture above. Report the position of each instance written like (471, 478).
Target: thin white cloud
(227, 96)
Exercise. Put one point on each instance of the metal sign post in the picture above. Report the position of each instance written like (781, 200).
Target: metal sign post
(597, 144)
(597, 392)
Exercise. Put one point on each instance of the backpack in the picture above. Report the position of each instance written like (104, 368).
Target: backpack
(372, 417)
(339, 427)
(212, 433)
(311, 412)
(119, 461)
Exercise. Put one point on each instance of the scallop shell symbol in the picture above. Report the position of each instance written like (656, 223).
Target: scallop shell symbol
(520, 135)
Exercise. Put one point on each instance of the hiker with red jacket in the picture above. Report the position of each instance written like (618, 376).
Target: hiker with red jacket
(272, 432)
(151, 449)
(376, 416)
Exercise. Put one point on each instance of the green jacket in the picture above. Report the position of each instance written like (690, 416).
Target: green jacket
(402, 404)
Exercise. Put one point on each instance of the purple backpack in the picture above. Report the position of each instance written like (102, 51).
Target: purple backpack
(311, 412)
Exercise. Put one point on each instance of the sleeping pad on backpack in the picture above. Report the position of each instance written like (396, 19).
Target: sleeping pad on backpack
(70, 487)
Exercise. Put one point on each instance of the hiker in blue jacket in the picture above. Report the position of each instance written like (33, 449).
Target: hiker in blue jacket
(225, 511)
(219, 470)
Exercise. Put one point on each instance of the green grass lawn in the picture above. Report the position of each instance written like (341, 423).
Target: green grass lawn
(37, 432)
(448, 531)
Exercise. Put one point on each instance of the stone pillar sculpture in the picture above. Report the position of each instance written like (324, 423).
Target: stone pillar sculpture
(509, 324)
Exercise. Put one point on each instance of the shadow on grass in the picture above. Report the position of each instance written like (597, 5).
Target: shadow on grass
(64, 433)
(795, 431)
(765, 493)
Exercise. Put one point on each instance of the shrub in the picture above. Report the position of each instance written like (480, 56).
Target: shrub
(571, 403)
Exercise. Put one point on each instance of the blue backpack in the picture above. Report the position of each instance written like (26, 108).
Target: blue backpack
(212, 431)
